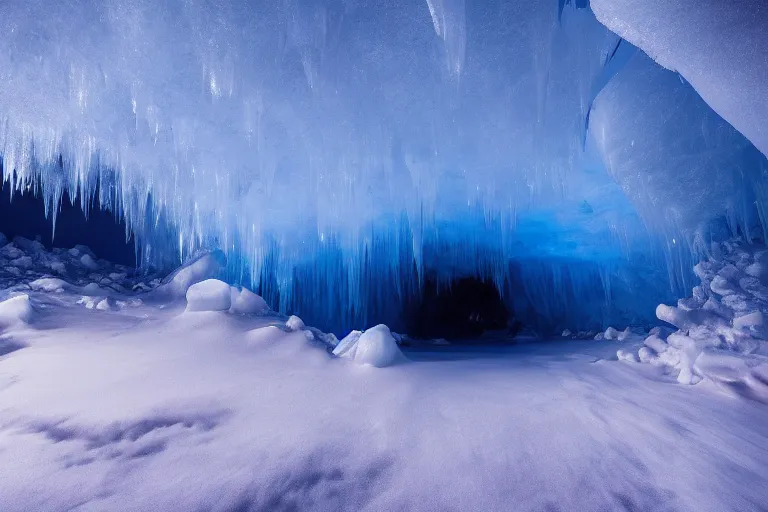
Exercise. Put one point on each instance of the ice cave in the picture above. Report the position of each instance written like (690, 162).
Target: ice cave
(384, 255)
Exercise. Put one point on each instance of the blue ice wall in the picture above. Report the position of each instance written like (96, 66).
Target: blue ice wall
(718, 46)
(338, 151)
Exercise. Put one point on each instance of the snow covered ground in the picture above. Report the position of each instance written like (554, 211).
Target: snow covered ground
(118, 399)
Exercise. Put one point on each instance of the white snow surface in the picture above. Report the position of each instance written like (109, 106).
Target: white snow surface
(719, 46)
(143, 407)
(209, 295)
(245, 302)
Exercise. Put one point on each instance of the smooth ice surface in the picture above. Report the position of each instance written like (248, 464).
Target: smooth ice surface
(719, 47)
(144, 407)
(680, 163)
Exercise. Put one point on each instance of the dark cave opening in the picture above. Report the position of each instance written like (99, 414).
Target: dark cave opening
(466, 309)
(24, 215)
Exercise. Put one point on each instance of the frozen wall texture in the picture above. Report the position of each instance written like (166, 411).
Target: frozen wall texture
(339, 151)
(720, 47)
(682, 166)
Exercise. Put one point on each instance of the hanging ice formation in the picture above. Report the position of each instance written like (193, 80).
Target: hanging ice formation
(338, 151)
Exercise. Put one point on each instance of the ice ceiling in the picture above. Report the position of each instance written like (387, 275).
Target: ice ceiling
(338, 151)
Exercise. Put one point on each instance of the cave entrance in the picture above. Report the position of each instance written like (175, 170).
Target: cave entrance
(465, 309)
(24, 215)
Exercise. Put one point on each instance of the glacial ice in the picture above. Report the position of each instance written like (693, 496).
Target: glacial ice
(354, 149)
(309, 141)
(719, 47)
(658, 139)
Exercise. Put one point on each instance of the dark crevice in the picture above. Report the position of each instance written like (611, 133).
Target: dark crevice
(466, 309)
(24, 215)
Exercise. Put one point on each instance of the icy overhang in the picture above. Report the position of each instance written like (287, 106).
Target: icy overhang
(352, 146)
(720, 47)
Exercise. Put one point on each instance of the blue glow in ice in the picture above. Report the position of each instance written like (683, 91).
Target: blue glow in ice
(338, 151)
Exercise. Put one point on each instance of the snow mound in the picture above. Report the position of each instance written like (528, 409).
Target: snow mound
(264, 335)
(209, 295)
(106, 304)
(48, 284)
(294, 323)
(720, 334)
(625, 355)
(375, 347)
(205, 266)
(16, 310)
(245, 302)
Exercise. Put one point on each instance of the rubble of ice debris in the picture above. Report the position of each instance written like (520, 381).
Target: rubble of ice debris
(27, 265)
(610, 334)
(721, 333)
